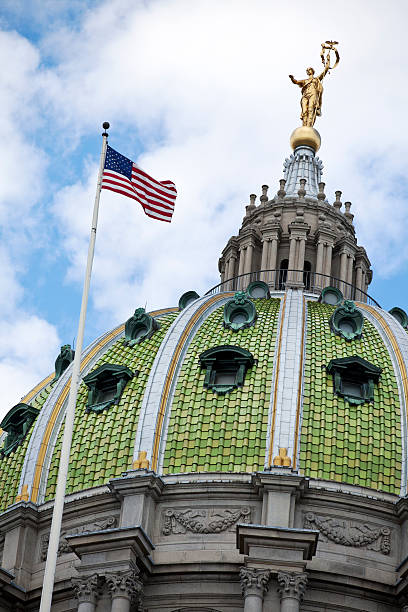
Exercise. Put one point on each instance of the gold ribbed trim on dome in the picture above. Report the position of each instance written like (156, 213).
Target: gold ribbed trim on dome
(171, 370)
(397, 350)
(62, 397)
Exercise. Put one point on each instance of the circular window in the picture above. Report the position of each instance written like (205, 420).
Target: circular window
(347, 326)
(258, 290)
(331, 296)
(139, 332)
(239, 317)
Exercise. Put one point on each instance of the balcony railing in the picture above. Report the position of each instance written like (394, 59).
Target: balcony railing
(279, 280)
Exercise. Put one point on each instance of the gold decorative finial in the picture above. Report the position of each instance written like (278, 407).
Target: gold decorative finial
(312, 88)
(282, 460)
(24, 495)
(141, 462)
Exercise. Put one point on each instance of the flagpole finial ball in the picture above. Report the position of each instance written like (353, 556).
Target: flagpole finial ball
(105, 125)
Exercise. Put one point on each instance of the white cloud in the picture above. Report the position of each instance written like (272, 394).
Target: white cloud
(28, 343)
(202, 89)
(206, 87)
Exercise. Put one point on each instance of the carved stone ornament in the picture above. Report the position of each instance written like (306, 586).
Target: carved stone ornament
(125, 584)
(253, 579)
(346, 533)
(203, 521)
(63, 547)
(86, 589)
(292, 584)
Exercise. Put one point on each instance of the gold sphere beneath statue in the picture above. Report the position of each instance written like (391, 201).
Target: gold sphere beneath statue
(305, 136)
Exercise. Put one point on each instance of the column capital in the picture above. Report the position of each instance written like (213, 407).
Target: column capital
(124, 584)
(292, 585)
(254, 581)
(86, 588)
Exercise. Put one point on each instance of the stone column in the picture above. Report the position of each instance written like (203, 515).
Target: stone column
(343, 266)
(359, 277)
(292, 587)
(231, 271)
(254, 585)
(265, 253)
(319, 259)
(124, 588)
(265, 257)
(272, 264)
(350, 275)
(241, 260)
(300, 263)
(292, 253)
(248, 259)
(86, 592)
(328, 262)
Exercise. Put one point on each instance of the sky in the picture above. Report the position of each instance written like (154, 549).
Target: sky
(196, 91)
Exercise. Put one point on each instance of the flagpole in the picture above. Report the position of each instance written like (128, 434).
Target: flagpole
(49, 573)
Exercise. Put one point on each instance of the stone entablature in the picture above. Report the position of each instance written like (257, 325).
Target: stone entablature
(218, 531)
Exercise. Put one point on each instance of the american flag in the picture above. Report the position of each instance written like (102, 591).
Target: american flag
(123, 176)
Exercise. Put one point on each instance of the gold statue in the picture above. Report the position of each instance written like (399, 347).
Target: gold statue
(312, 88)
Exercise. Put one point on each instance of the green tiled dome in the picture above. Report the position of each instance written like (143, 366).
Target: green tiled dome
(286, 414)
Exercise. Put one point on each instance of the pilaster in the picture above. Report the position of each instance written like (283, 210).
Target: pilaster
(19, 525)
(298, 231)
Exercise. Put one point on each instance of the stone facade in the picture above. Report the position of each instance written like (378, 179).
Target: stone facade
(225, 542)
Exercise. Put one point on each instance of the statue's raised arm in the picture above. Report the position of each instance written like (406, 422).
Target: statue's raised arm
(312, 88)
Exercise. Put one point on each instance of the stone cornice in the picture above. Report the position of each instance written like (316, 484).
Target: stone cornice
(325, 234)
(137, 481)
(276, 548)
(20, 515)
(16, 593)
(298, 229)
(119, 545)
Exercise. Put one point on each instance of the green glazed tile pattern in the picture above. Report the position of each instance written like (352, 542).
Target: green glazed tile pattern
(102, 444)
(359, 445)
(11, 466)
(211, 432)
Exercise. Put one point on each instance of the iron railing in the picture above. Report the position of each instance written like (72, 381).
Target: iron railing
(279, 280)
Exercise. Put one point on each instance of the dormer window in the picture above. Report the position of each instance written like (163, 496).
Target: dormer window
(354, 379)
(347, 321)
(16, 424)
(106, 385)
(139, 327)
(240, 312)
(226, 367)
